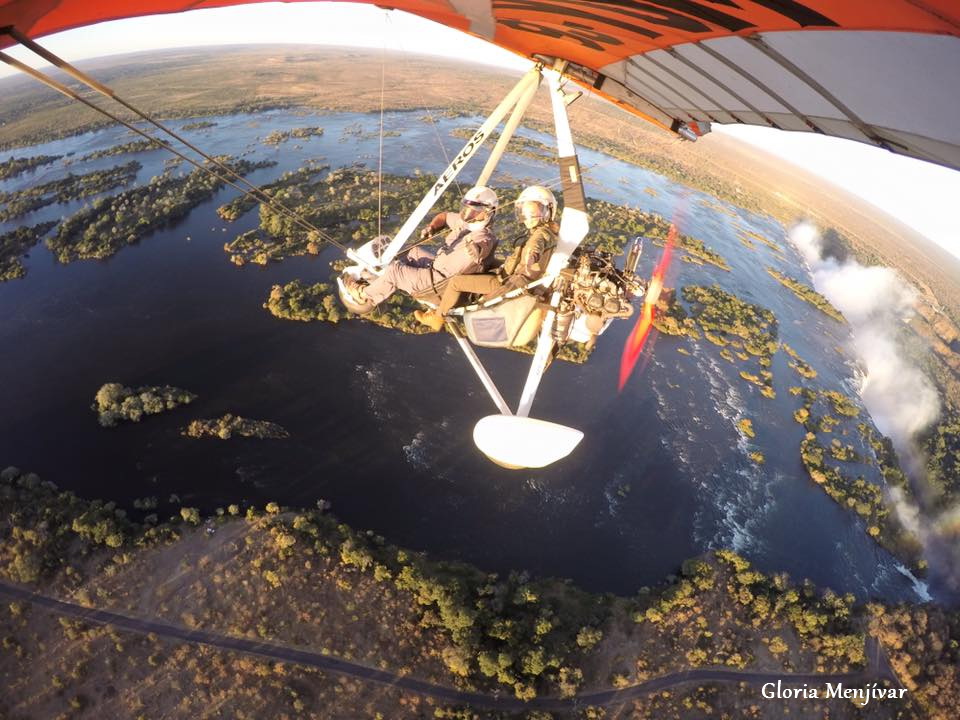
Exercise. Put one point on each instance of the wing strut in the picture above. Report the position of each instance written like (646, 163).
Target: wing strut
(518, 441)
(491, 387)
(541, 358)
(574, 225)
(508, 130)
(522, 92)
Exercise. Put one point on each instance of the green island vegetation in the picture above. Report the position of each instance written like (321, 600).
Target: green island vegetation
(886, 456)
(860, 495)
(243, 204)
(72, 187)
(450, 112)
(842, 404)
(520, 146)
(198, 125)
(297, 301)
(844, 453)
(354, 131)
(134, 146)
(751, 330)
(343, 204)
(229, 425)
(114, 222)
(114, 402)
(16, 166)
(717, 207)
(280, 136)
(942, 446)
(302, 578)
(748, 237)
(697, 253)
(937, 354)
(932, 343)
(855, 493)
(612, 226)
(742, 330)
(670, 317)
(15, 244)
(745, 426)
(803, 369)
(807, 294)
(723, 317)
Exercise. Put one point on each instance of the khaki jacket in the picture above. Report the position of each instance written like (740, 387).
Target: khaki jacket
(530, 260)
(464, 251)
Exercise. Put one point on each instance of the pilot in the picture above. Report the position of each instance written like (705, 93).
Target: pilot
(536, 210)
(466, 249)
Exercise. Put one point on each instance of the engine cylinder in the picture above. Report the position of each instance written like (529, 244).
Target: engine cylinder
(563, 325)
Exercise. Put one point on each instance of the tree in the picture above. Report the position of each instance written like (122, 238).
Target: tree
(588, 637)
(457, 660)
(190, 515)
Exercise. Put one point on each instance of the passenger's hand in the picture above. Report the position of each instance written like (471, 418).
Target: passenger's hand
(425, 233)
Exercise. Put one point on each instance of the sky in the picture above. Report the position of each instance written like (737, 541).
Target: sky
(920, 194)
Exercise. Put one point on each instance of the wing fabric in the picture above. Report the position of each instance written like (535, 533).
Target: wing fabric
(882, 72)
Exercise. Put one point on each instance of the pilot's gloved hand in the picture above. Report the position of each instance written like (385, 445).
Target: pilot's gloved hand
(436, 225)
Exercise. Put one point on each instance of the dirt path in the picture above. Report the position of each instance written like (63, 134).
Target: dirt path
(877, 669)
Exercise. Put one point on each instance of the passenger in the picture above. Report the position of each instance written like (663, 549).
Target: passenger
(536, 209)
(466, 249)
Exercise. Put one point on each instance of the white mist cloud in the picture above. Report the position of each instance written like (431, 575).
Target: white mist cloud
(875, 300)
(900, 398)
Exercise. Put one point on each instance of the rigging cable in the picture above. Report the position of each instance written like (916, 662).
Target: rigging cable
(545, 183)
(433, 124)
(250, 190)
(383, 69)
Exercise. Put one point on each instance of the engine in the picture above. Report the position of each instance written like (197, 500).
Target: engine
(595, 292)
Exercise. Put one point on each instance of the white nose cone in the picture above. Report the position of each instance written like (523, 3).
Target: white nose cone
(521, 442)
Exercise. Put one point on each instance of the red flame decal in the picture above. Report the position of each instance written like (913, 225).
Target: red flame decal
(641, 331)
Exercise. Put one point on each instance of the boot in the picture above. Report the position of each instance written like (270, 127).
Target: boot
(431, 318)
(354, 289)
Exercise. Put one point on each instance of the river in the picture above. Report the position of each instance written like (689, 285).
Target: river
(380, 422)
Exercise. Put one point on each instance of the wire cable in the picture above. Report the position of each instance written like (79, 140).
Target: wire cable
(251, 190)
(383, 70)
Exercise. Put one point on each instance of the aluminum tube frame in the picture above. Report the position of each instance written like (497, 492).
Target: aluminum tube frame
(574, 222)
(541, 358)
(508, 130)
(482, 373)
(532, 77)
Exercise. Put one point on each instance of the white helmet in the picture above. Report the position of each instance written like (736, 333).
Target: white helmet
(478, 207)
(534, 206)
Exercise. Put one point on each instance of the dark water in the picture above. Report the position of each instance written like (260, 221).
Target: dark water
(381, 422)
